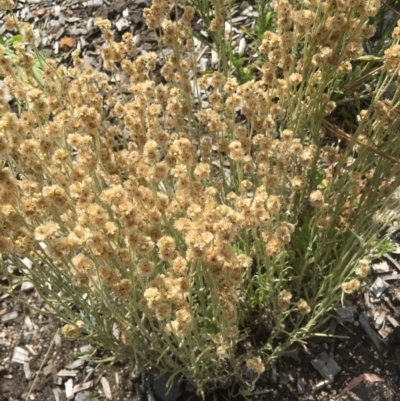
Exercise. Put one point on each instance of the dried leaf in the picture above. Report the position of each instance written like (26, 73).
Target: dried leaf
(40, 12)
(67, 43)
(370, 377)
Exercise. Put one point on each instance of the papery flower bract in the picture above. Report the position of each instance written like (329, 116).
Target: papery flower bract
(255, 364)
(123, 288)
(351, 286)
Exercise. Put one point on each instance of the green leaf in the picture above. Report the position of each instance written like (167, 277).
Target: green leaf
(246, 31)
(384, 248)
(13, 39)
(369, 58)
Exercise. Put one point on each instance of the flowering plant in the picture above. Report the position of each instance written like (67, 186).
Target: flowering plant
(203, 241)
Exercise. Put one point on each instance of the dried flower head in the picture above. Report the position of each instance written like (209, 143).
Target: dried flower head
(303, 307)
(363, 268)
(70, 331)
(351, 286)
(316, 198)
(255, 364)
(284, 299)
(123, 288)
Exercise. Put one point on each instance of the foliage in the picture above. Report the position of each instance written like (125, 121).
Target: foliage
(10, 51)
(384, 248)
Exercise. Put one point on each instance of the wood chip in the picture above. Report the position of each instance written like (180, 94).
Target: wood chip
(392, 321)
(57, 340)
(390, 277)
(77, 363)
(380, 319)
(83, 386)
(67, 373)
(20, 355)
(379, 287)
(106, 388)
(57, 10)
(40, 12)
(381, 267)
(28, 323)
(242, 46)
(4, 296)
(28, 263)
(370, 377)
(395, 262)
(56, 393)
(47, 369)
(214, 57)
(69, 389)
(27, 371)
(122, 24)
(26, 286)
(30, 349)
(9, 316)
(85, 348)
(363, 319)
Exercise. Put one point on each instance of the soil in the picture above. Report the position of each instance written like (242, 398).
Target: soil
(49, 353)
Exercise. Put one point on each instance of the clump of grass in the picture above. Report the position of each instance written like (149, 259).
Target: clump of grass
(203, 242)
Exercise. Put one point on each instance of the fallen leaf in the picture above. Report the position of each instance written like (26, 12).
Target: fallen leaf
(67, 43)
(40, 12)
(370, 377)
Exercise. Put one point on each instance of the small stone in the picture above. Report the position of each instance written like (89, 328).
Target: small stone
(301, 388)
(347, 313)
(283, 378)
(326, 365)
